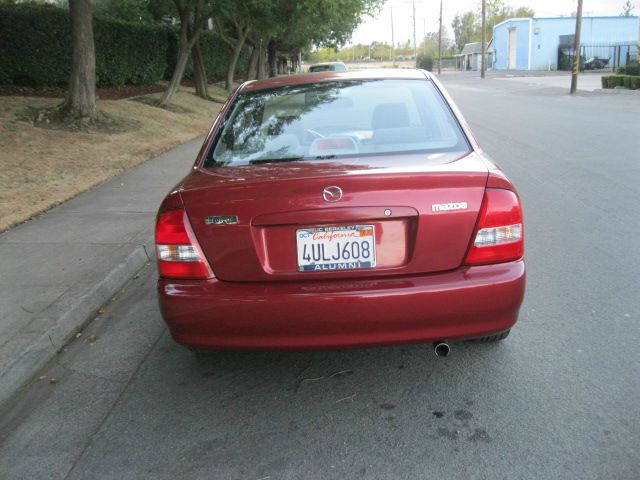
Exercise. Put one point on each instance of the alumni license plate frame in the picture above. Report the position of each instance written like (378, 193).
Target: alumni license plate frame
(347, 247)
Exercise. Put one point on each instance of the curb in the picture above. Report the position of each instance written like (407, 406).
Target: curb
(58, 323)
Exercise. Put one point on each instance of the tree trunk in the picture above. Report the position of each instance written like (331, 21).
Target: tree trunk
(199, 71)
(235, 54)
(273, 63)
(176, 78)
(252, 72)
(186, 43)
(262, 67)
(81, 101)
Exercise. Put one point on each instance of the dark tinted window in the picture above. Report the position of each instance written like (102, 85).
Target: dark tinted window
(336, 120)
(326, 67)
(320, 68)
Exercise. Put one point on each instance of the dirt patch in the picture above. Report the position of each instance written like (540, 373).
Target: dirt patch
(154, 102)
(53, 118)
(40, 168)
(106, 93)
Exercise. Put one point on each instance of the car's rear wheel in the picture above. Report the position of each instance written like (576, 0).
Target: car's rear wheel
(493, 338)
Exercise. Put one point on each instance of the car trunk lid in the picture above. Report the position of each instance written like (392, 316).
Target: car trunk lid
(247, 219)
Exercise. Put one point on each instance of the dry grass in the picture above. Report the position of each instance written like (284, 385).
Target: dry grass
(40, 167)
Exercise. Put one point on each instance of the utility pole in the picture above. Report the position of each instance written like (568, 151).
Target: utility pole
(393, 40)
(576, 48)
(415, 48)
(440, 42)
(424, 36)
(484, 38)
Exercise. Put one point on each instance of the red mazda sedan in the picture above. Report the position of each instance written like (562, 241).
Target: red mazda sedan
(340, 209)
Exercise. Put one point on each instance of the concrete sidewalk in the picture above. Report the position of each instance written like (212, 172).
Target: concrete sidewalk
(588, 82)
(59, 268)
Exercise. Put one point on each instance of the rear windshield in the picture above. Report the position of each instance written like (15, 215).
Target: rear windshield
(336, 120)
(327, 67)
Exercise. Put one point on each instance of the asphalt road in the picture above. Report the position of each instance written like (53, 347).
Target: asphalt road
(560, 398)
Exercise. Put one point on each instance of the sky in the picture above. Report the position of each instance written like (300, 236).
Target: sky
(379, 27)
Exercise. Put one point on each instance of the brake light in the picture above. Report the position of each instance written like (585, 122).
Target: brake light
(499, 234)
(178, 252)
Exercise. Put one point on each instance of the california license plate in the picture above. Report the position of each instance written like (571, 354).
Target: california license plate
(336, 248)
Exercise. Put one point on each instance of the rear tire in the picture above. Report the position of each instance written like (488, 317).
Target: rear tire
(493, 338)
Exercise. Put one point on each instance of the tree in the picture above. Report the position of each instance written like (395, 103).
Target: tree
(80, 104)
(524, 12)
(498, 12)
(254, 40)
(235, 21)
(627, 9)
(324, 23)
(193, 15)
(199, 71)
(467, 27)
(464, 28)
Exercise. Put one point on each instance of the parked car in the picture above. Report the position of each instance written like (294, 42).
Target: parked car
(328, 67)
(340, 209)
(596, 63)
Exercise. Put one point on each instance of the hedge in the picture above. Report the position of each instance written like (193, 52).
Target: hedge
(129, 54)
(35, 49)
(632, 68)
(631, 82)
(425, 62)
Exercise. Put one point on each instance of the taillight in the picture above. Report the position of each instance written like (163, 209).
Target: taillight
(179, 254)
(499, 235)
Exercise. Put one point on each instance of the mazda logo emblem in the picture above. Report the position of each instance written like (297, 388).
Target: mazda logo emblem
(332, 194)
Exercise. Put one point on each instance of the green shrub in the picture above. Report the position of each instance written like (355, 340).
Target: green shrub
(627, 81)
(129, 53)
(35, 49)
(35, 45)
(633, 68)
(425, 62)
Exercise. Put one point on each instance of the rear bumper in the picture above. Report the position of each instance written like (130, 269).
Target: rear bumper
(466, 303)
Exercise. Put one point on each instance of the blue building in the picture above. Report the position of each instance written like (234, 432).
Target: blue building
(535, 43)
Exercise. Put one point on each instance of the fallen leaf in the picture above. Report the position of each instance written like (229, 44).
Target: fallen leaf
(102, 310)
(43, 377)
(53, 380)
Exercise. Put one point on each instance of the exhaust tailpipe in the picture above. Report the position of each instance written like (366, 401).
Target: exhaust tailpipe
(441, 348)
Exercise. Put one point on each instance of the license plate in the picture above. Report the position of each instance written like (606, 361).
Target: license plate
(336, 248)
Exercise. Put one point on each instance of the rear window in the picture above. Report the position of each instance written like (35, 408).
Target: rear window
(336, 120)
(328, 67)
(320, 68)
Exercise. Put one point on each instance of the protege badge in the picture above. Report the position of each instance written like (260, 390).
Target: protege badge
(221, 220)
(443, 207)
